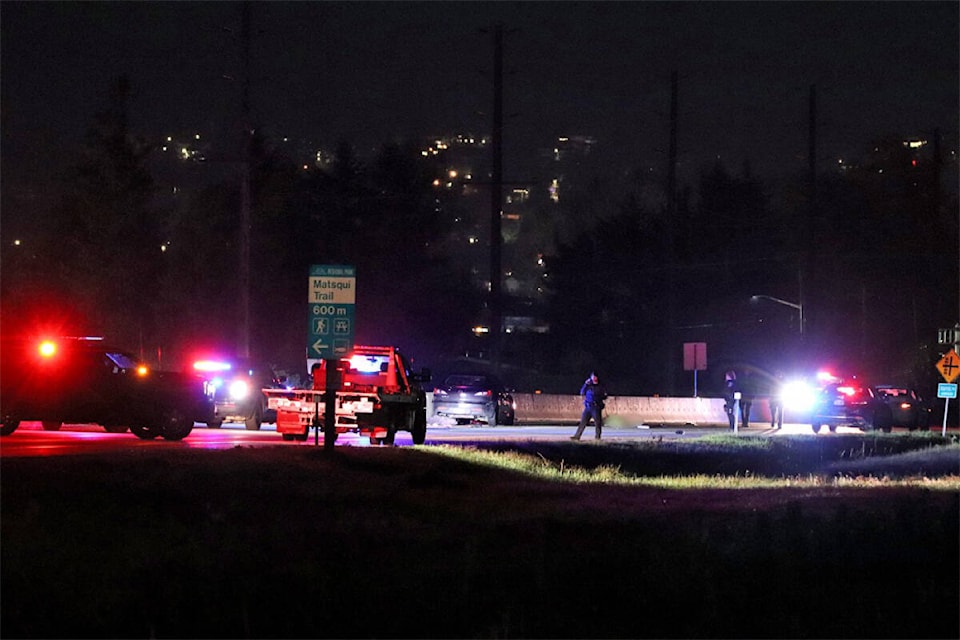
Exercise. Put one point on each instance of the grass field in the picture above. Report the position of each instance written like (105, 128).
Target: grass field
(799, 537)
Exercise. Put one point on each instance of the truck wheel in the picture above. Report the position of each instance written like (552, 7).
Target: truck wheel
(816, 427)
(832, 427)
(142, 432)
(491, 417)
(390, 437)
(9, 425)
(419, 429)
(216, 423)
(176, 425)
(51, 425)
(254, 420)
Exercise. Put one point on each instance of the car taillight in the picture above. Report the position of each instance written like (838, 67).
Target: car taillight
(484, 394)
(142, 370)
(905, 406)
(848, 391)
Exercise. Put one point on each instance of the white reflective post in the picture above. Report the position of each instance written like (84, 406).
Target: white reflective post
(736, 412)
(946, 407)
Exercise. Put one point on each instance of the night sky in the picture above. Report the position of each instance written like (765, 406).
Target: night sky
(369, 72)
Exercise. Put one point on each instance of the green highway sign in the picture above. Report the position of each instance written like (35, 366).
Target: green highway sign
(331, 297)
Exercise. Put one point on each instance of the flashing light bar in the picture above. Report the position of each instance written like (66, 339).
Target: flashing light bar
(211, 365)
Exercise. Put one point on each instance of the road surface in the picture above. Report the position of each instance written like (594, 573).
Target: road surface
(31, 440)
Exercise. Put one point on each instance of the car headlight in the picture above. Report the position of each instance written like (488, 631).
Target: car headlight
(239, 389)
(798, 396)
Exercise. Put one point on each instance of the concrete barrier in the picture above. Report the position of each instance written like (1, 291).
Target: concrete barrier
(626, 410)
(633, 410)
(621, 410)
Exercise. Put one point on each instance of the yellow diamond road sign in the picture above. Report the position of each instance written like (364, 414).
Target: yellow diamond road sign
(949, 366)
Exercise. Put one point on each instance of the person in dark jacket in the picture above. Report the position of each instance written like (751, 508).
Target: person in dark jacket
(776, 402)
(593, 395)
(730, 390)
(748, 390)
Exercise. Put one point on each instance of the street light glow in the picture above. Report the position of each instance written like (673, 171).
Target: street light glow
(792, 305)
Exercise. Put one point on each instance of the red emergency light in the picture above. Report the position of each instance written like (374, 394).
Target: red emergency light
(47, 348)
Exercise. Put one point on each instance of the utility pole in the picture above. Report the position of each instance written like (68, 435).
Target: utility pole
(671, 233)
(245, 196)
(496, 200)
(807, 273)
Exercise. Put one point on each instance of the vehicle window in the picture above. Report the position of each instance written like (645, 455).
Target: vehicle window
(121, 360)
(370, 365)
(465, 381)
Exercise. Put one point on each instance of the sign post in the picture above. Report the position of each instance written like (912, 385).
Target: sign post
(949, 367)
(331, 297)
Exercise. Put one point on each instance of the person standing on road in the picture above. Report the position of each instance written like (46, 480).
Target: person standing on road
(593, 394)
(776, 401)
(729, 397)
(747, 391)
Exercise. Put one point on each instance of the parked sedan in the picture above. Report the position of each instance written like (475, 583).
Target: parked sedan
(474, 397)
(899, 406)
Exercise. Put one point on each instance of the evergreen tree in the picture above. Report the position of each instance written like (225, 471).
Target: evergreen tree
(107, 248)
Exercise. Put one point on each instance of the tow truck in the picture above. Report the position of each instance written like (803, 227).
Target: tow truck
(81, 379)
(377, 395)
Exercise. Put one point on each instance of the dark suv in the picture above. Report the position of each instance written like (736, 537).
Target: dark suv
(841, 404)
(85, 381)
(879, 407)
(898, 406)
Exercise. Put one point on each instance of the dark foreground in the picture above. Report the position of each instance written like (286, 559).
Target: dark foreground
(294, 542)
